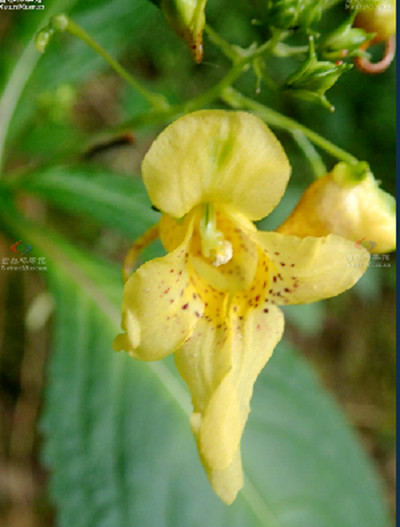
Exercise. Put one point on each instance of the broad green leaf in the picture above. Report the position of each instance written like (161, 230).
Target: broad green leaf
(116, 201)
(117, 439)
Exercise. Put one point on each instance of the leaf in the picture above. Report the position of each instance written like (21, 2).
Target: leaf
(115, 24)
(117, 437)
(117, 201)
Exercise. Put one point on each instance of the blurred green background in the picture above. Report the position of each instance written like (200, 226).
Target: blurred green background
(71, 101)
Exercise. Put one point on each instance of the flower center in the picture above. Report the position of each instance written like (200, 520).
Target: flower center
(213, 244)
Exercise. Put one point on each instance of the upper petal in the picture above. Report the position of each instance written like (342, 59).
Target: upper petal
(160, 307)
(216, 156)
(305, 270)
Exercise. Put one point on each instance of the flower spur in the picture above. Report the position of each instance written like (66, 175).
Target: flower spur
(213, 299)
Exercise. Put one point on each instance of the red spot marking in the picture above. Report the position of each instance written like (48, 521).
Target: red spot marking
(197, 314)
(270, 291)
(257, 298)
(292, 265)
(171, 301)
(264, 284)
(277, 254)
(166, 291)
(295, 285)
(274, 279)
(180, 273)
(185, 306)
(194, 296)
(282, 264)
(240, 318)
(287, 290)
(235, 308)
(171, 270)
(266, 310)
(258, 327)
(338, 62)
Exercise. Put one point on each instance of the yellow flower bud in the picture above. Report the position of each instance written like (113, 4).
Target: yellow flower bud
(346, 205)
(380, 19)
(187, 19)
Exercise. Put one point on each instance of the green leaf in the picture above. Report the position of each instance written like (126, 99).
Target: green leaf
(116, 201)
(118, 441)
(115, 24)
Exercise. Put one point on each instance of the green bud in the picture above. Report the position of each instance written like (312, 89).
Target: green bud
(59, 22)
(187, 19)
(43, 37)
(314, 78)
(345, 40)
(291, 14)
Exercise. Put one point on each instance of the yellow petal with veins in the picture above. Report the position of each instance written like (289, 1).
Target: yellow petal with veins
(223, 157)
(160, 306)
(220, 363)
(305, 270)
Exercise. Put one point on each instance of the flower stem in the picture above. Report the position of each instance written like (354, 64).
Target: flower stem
(236, 100)
(227, 49)
(158, 101)
(141, 243)
(309, 151)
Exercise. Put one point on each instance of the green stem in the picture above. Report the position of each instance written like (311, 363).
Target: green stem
(156, 100)
(159, 117)
(308, 149)
(236, 100)
(214, 93)
(227, 49)
(283, 50)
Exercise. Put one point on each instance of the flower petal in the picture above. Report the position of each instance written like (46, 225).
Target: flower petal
(305, 270)
(227, 482)
(220, 364)
(254, 339)
(160, 307)
(230, 158)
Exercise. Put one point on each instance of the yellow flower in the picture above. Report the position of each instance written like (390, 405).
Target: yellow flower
(213, 299)
(379, 19)
(344, 204)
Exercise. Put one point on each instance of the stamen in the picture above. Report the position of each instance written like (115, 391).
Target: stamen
(213, 244)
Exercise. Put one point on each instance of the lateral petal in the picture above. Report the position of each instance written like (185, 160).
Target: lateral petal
(305, 270)
(160, 307)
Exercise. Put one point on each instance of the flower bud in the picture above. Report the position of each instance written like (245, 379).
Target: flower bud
(291, 14)
(43, 38)
(345, 40)
(380, 19)
(347, 202)
(314, 78)
(187, 19)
